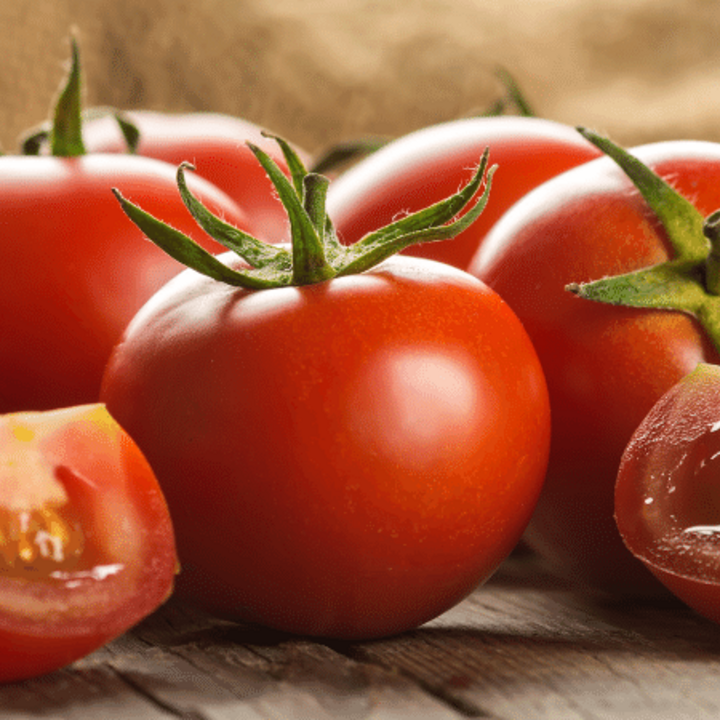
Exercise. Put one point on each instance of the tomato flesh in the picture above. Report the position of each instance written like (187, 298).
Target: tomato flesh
(86, 544)
(667, 495)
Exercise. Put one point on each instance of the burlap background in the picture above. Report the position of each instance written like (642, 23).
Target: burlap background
(322, 70)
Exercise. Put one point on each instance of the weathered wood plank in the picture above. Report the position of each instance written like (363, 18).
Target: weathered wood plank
(524, 646)
(518, 651)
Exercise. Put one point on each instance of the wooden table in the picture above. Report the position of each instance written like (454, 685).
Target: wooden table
(524, 646)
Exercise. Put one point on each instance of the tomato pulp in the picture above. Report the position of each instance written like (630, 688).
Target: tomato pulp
(86, 543)
(667, 496)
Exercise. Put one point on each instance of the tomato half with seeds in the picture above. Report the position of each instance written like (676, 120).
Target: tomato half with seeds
(667, 494)
(426, 166)
(86, 543)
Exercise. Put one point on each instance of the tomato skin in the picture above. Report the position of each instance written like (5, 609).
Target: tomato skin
(216, 146)
(430, 164)
(75, 269)
(667, 497)
(128, 562)
(605, 365)
(344, 459)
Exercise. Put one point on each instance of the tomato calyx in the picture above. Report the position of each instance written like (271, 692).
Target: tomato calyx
(63, 134)
(690, 281)
(315, 253)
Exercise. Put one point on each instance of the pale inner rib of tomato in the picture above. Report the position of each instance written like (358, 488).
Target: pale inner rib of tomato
(39, 531)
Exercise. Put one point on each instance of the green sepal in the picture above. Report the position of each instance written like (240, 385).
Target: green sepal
(680, 219)
(690, 281)
(33, 141)
(316, 254)
(66, 133)
(129, 130)
(185, 250)
(295, 164)
(309, 262)
(253, 251)
(514, 94)
(428, 225)
(674, 285)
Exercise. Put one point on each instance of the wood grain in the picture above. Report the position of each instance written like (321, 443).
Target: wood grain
(525, 646)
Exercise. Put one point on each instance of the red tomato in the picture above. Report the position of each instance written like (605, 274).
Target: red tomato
(216, 145)
(667, 497)
(75, 271)
(347, 458)
(605, 366)
(426, 166)
(86, 542)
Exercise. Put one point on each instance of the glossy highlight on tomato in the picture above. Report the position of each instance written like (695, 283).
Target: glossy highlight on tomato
(667, 494)
(75, 271)
(216, 145)
(605, 365)
(348, 458)
(427, 165)
(86, 542)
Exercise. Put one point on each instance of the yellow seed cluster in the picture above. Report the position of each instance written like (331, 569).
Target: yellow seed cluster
(33, 541)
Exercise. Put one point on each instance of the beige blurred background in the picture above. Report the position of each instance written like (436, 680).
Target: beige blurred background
(319, 71)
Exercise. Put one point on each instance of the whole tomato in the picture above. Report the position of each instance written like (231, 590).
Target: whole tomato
(86, 543)
(74, 271)
(667, 496)
(426, 166)
(214, 143)
(216, 146)
(347, 452)
(605, 365)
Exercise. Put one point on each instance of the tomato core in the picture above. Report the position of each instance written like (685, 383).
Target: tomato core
(39, 541)
(39, 531)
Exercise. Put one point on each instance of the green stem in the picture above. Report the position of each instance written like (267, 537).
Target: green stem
(66, 134)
